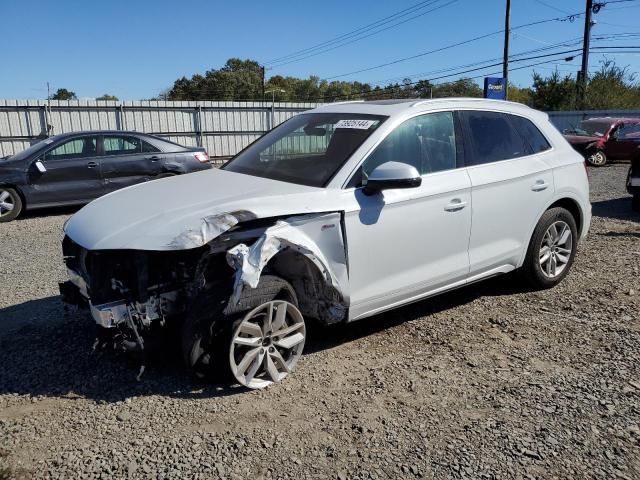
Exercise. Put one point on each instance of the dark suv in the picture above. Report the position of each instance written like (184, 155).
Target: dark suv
(602, 139)
(75, 168)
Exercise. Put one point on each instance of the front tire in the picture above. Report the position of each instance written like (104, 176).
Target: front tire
(216, 339)
(10, 204)
(597, 158)
(551, 250)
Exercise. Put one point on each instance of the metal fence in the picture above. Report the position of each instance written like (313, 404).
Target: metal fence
(568, 120)
(223, 128)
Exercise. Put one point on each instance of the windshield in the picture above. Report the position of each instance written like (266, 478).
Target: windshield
(307, 149)
(592, 128)
(32, 149)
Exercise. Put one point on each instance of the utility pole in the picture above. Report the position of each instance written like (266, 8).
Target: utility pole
(505, 61)
(584, 72)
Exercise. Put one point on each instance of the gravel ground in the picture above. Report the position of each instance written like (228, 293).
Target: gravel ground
(486, 382)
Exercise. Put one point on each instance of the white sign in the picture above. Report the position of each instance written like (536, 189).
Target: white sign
(358, 124)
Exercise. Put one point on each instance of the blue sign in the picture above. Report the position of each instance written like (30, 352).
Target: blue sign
(495, 87)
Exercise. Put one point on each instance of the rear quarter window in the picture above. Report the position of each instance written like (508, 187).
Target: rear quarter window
(531, 134)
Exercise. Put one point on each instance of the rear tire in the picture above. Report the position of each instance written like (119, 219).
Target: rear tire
(10, 204)
(556, 236)
(596, 158)
(210, 324)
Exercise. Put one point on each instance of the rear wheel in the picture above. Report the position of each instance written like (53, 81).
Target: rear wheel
(256, 344)
(551, 250)
(10, 204)
(597, 158)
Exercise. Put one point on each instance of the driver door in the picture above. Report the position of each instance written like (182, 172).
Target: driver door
(404, 244)
(72, 173)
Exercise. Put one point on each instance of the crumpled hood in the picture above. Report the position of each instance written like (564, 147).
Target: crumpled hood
(187, 211)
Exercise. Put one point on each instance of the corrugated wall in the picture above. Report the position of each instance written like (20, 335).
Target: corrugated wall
(223, 128)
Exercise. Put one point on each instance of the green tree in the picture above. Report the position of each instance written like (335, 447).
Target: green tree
(107, 97)
(465, 87)
(242, 80)
(520, 94)
(553, 92)
(64, 94)
(612, 87)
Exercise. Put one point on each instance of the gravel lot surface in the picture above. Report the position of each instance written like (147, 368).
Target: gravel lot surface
(490, 381)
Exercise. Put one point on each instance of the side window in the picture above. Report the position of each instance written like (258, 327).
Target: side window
(531, 134)
(76, 148)
(427, 142)
(117, 145)
(494, 138)
(148, 148)
(628, 131)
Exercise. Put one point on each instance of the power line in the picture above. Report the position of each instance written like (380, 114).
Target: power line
(362, 37)
(447, 47)
(377, 23)
(499, 63)
(567, 43)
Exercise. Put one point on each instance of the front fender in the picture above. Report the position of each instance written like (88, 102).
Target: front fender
(318, 237)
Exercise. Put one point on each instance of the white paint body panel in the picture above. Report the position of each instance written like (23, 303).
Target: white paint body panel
(506, 199)
(404, 242)
(401, 245)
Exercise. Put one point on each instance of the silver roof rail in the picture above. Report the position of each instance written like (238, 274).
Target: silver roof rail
(464, 99)
(342, 103)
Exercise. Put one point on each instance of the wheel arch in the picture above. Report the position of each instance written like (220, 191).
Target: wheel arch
(317, 298)
(569, 203)
(309, 252)
(18, 191)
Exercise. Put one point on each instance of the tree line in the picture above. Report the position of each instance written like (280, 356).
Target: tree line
(611, 87)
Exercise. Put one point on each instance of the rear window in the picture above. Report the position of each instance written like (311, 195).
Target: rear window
(532, 135)
(493, 137)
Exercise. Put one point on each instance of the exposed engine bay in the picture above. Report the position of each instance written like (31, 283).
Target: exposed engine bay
(131, 292)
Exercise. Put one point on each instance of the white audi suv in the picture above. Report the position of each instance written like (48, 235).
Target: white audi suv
(338, 214)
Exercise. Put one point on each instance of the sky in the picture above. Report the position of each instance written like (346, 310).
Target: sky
(135, 49)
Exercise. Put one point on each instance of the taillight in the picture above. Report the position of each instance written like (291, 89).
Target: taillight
(202, 157)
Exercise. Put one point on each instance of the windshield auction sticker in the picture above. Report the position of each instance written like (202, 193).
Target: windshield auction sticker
(358, 124)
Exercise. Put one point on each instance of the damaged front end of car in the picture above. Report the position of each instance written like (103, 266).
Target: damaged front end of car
(132, 293)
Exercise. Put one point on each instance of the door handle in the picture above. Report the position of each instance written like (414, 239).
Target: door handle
(539, 186)
(154, 158)
(92, 165)
(455, 205)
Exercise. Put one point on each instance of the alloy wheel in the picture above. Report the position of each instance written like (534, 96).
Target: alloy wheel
(555, 249)
(7, 203)
(597, 159)
(267, 344)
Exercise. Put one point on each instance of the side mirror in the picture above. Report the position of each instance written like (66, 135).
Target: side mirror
(391, 175)
(40, 166)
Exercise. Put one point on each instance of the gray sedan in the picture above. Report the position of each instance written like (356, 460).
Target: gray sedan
(75, 168)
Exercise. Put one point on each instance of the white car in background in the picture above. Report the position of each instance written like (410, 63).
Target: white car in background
(338, 214)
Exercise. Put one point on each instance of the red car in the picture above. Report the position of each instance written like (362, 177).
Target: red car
(602, 139)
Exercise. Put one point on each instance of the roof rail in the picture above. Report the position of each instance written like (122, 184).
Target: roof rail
(348, 101)
(464, 99)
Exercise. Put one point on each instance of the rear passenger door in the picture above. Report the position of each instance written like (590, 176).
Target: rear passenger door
(511, 184)
(127, 160)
